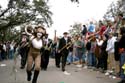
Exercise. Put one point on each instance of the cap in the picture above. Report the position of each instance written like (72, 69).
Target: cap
(65, 33)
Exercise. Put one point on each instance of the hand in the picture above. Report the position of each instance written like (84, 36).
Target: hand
(58, 51)
(121, 50)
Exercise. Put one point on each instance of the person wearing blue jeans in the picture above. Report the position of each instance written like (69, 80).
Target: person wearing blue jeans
(122, 62)
(70, 58)
(89, 58)
(122, 54)
(11, 54)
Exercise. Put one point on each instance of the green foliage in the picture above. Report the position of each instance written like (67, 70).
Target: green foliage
(76, 29)
(20, 12)
(113, 10)
(25, 11)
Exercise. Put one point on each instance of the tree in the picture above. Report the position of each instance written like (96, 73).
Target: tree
(75, 1)
(20, 12)
(76, 29)
(25, 11)
(113, 10)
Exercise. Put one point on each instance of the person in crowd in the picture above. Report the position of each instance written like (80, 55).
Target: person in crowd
(109, 28)
(75, 53)
(11, 50)
(3, 52)
(46, 53)
(122, 54)
(99, 42)
(70, 55)
(102, 28)
(84, 30)
(23, 51)
(91, 28)
(80, 50)
(110, 49)
(104, 54)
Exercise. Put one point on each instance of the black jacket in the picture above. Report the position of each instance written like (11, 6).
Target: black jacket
(62, 43)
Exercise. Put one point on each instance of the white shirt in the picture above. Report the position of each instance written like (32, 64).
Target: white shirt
(99, 43)
(110, 45)
(37, 43)
(4, 47)
(66, 39)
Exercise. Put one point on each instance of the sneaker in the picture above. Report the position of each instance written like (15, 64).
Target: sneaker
(57, 66)
(85, 67)
(68, 63)
(22, 67)
(110, 76)
(114, 77)
(107, 73)
(111, 71)
(79, 65)
(66, 73)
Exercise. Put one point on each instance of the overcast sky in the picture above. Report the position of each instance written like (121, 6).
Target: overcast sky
(66, 13)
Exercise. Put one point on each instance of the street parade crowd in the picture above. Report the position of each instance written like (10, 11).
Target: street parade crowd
(99, 47)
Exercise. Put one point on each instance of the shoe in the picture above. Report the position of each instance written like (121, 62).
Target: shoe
(35, 77)
(45, 69)
(22, 67)
(68, 63)
(66, 73)
(79, 65)
(29, 74)
(113, 77)
(111, 71)
(57, 66)
(63, 69)
(85, 67)
(107, 73)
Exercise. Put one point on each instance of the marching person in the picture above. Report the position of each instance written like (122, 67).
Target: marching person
(46, 53)
(23, 50)
(34, 55)
(62, 49)
(57, 55)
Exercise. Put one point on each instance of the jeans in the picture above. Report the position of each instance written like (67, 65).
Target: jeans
(89, 58)
(70, 57)
(11, 54)
(84, 57)
(122, 62)
(93, 60)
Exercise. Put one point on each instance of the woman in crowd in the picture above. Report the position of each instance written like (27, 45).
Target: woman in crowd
(122, 54)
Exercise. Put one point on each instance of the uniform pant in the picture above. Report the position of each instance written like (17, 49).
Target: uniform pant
(64, 59)
(57, 58)
(24, 54)
(45, 59)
